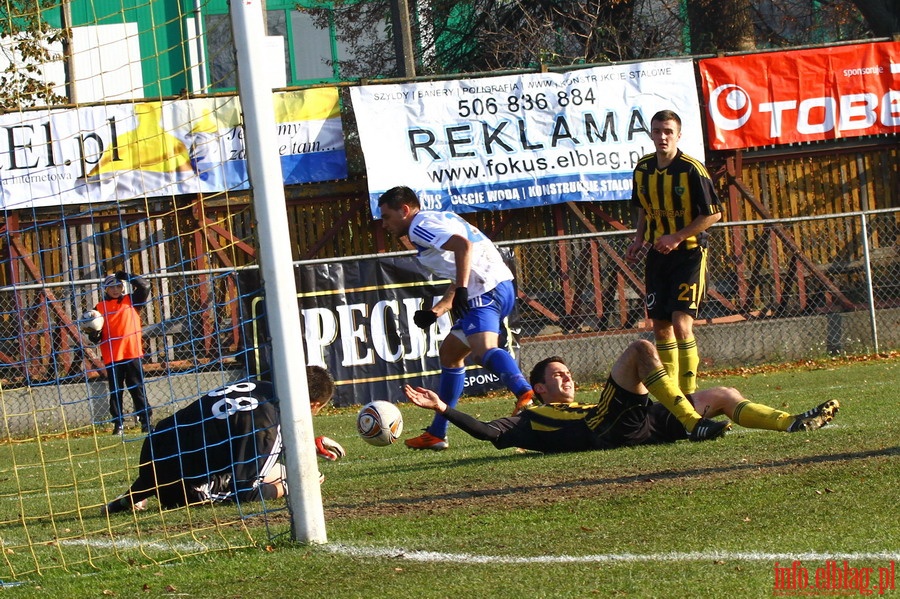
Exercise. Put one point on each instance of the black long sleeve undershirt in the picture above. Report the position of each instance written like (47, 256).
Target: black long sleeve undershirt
(476, 428)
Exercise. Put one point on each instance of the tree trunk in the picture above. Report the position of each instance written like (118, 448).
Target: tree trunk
(720, 26)
(883, 16)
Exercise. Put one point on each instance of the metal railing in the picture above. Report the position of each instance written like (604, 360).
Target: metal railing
(786, 289)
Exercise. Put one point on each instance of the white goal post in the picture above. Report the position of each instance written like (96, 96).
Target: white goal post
(288, 375)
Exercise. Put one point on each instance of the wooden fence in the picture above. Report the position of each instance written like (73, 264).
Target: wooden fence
(45, 253)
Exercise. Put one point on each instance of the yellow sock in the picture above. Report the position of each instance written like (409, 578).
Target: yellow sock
(666, 392)
(754, 415)
(668, 355)
(688, 363)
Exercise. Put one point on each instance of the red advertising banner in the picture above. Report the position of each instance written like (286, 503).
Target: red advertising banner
(802, 95)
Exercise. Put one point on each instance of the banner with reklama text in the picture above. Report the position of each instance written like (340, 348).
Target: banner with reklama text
(802, 95)
(123, 151)
(521, 140)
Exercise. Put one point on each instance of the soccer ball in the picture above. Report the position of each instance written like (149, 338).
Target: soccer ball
(379, 423)
(91, 320)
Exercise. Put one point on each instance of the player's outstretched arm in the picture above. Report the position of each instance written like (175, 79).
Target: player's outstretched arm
(425, 398)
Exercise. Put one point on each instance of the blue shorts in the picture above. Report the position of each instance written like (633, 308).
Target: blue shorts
(487, 310)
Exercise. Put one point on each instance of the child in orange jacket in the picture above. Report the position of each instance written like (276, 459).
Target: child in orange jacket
(122, 347)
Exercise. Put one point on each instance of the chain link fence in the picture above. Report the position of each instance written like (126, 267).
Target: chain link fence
(780, 290)
(54, 378)
(777, 290)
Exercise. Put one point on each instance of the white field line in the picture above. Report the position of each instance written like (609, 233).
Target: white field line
(131, 543)
(468, 558)
(674, 556)
(67, 466)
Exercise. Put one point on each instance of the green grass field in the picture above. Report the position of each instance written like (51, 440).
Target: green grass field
(683, 520)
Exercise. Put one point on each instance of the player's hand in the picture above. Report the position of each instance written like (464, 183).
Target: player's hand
(329, 449)
(460, 303)
(121, 275)
(635, 251)
(424, 398)
(667, 244)
(424, 318)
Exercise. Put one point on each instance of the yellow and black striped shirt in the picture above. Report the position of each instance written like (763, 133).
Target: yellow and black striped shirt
(674, 196)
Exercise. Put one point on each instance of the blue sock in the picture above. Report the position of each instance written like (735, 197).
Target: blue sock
(450, 388)
(502, 364)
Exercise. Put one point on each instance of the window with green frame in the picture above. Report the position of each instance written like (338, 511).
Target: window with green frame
(311, 53)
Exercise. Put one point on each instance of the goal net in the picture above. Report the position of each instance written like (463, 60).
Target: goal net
(124, 157)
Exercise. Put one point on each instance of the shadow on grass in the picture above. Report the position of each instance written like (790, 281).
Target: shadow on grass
(389, 505)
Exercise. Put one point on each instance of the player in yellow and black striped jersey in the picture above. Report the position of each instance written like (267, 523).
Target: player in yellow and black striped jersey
(623, 414)
(674, 203)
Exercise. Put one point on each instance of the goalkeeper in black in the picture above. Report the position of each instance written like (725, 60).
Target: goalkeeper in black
(224, 446)
(623, 415)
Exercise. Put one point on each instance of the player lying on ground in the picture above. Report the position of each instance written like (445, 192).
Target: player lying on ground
(623, 414)
(222, 447)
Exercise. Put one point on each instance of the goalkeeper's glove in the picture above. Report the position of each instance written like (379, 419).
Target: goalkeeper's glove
(460, 303)
(424, 318)
(329, 449)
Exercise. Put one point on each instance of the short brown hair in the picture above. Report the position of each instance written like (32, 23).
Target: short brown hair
(667, 115)
(398, 196)
(320, 383)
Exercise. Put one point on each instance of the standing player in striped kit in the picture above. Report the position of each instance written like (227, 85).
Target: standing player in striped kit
(674, 203)
(480, 296)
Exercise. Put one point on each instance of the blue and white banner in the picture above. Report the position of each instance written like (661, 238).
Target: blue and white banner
(521, 140)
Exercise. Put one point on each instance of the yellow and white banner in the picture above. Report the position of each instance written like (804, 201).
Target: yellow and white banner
(120, 152)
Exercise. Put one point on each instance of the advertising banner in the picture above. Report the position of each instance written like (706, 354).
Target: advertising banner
(521, 140)
(357, 320)
(120, 152)
(802, 95)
